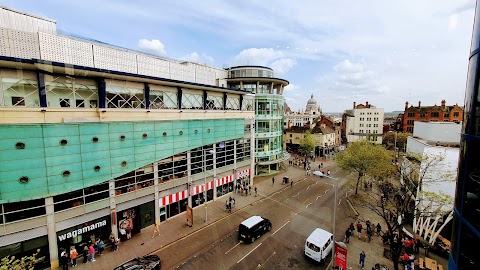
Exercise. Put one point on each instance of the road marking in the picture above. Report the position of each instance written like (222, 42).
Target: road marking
(233, 247)
(266, 259)
(281, 227)
(249, 253)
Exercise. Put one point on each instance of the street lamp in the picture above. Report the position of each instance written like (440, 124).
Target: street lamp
(205, 178)
(319, 173)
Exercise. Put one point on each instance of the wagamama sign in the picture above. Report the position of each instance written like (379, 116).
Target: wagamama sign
(85, 229)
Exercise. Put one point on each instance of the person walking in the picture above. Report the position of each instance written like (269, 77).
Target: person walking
(379, 229)
(347, 235)
(362, 259)
(249, 190)
(328, 172)
(291, 183)
(155, 229)
(369, 233)
(273, 181)
(256, 194)
(73, 256)
(91, 251)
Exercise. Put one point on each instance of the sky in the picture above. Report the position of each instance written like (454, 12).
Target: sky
(376, 51)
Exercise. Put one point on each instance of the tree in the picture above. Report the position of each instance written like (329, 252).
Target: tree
(13, 263)
(364, 157)
(393, 200)
(395, 139)
(307, 144)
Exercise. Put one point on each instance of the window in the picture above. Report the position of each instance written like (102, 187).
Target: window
(361, 130)
(434, 114)
(411, 114)
(192, 101)
(361, 125)
(456, 114)
(410, 129)
(375, 119)
(162, 97)
(68, 92)
(375, 125)
(64, 102)
(369, 119)
(361, 118)
(233, 103)
(123, 94)
(446, 115)
(18, 101)
(422, 115)
(410, 122)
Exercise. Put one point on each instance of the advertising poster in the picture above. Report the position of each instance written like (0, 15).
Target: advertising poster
(341, 257)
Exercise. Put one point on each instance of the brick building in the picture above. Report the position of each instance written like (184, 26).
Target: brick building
(434, 113)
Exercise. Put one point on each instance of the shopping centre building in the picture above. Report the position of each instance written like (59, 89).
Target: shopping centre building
(97, 139)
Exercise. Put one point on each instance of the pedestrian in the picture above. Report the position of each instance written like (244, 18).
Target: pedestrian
(352, 228)
(155, 229)
(91, 251)
(85, 254)
(359, 228)
(291, 183)
(273, 181)
(328, 172)
(362, 259)
(256, 194)
(369, 233)
(379, 229)
(64, 261)
(417, 245)
(347, 235)
(101, 247)
(73, 256)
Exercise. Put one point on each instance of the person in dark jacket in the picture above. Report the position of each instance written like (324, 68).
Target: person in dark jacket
(64, 261)
(85, 254)
(347, 235)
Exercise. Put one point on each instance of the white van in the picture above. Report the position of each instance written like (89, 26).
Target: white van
(318, 245)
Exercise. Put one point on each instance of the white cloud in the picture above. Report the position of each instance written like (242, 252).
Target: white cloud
(290, 88)
(195, 57)
(453, 22)
(153, 46)
(265, 57)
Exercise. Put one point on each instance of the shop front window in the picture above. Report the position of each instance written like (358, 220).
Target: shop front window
(18, 89)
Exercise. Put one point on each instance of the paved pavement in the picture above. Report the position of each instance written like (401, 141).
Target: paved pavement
(176, 228)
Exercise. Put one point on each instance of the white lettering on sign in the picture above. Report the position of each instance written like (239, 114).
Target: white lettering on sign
(85, 229)
(242, 174)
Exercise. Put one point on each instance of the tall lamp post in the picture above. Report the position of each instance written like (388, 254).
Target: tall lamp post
(319, 173)
(205, 178)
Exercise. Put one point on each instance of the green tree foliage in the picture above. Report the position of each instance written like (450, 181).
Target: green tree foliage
(12, 263)
(400, 138)
(307, 144)
(365, 158)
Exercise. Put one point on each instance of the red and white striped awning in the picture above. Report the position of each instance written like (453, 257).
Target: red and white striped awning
(194, 190)
(224, 180)
(175, 197)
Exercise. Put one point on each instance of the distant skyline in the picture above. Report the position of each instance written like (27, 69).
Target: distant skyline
(383, 52)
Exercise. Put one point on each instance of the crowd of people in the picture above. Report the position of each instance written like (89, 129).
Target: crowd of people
(87, 253)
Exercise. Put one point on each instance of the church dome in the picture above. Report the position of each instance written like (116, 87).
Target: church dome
(312, 101)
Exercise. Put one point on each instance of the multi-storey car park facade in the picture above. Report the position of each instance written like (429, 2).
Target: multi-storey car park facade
(95, 138)
(269, 113)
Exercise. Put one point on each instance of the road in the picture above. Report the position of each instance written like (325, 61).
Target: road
(294, 212)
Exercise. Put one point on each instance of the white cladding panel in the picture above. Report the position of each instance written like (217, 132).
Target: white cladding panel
(23, 22)
(438, 131)
(19, 44)
(54, 48)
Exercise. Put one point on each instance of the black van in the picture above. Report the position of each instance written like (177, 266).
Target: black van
(252, 228)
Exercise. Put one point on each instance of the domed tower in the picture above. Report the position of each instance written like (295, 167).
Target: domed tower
(312, 107)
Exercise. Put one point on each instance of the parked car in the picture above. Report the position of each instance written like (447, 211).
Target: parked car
(149, 262)
(252, 228)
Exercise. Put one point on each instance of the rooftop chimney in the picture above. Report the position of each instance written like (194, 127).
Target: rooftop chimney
(354, 104)
(419, 103)
(443, 103)
(406, 105)
(366, 104)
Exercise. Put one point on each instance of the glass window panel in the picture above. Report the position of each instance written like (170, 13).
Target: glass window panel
(192, 101)
(18, 91)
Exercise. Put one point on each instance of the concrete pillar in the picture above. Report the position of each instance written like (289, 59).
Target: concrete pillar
(271, 88)
(252, 150)
(52, 233)
(241, 85)
(235, 165)
(257, 87)
(214, 171)
(189, 175)
(113, 206)
(156, 195)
